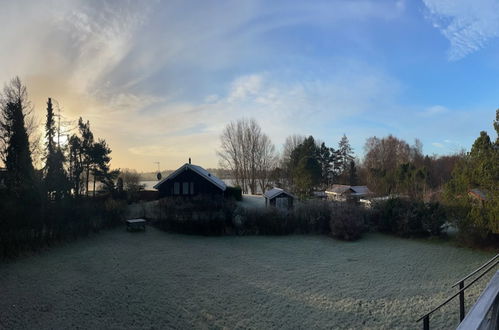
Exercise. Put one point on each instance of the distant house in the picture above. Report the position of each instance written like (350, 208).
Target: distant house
(191, 180)
(343, 193)
(479, 195)
(279, 198)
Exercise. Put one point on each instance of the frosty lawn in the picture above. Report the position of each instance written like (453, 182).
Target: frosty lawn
(158, 280)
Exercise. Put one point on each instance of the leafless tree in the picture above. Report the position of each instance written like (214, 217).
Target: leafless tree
(248, 153)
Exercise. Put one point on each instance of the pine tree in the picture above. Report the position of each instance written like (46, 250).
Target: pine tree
(76, 166)
(305, 167)
(100, 164)
(352, 173)
(87, 141)
(17, 155)
(55, 175)
(344, 156)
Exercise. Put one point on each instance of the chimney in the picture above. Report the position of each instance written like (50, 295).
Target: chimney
(189, 160)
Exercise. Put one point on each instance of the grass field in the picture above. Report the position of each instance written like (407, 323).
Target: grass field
(157, 280)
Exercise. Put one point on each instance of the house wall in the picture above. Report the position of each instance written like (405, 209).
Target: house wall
(188, 184)
(273, 201)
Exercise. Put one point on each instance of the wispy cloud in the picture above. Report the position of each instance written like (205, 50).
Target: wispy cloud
(468, 25)
(434, 111)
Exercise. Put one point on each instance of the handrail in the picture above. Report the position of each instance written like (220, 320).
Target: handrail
(461, 291)
(487, 302)
(476, 270)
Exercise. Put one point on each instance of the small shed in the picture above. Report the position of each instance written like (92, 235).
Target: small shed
(191, 180)
(279, 198)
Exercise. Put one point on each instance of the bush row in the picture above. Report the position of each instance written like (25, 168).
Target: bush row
(216, 217)
(28, 224)
(408, 218)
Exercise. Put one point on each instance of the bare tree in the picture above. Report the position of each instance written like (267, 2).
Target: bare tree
(248, 154)
(290, 144)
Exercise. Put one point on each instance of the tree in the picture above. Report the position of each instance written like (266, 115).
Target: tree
(99, 165)
(352, 174)
(382, 159)
(55, 177)
(326, 159)
(247, 153)
(477, 170)
(290, 144)
(130, 180)
(15, 148)
(344, 156)
(304, 167)
(86, 145)
(76, 166)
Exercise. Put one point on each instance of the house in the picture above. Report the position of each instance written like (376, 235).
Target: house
(343, 193)
(279, 198)
(479, 195)
(191, 180)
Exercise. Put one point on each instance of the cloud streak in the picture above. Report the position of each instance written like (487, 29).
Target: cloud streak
(468, 25)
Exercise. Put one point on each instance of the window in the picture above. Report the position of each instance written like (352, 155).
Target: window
(176, 188)
(192, 188)
(185, 188)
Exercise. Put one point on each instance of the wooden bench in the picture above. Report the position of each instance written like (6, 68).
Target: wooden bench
(135, 224)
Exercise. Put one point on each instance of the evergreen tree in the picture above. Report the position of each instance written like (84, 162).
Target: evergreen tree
(478, 170)
(326, 162)
(86, 145)
(305, 167)
(55, 175)
(100, 155)
(16, 152)
(344, 156)
(76, 166)
(352, 173)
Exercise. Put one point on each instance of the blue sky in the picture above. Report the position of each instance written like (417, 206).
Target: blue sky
(159, 80)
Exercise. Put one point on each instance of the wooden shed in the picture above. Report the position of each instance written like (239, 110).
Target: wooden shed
(279, 198)
(191, 180)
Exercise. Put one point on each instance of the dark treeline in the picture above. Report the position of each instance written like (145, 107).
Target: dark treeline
(40, 206)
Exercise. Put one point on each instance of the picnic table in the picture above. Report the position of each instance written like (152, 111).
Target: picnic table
(135, 224)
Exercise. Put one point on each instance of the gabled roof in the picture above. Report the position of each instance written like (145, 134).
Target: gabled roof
(274, 192)
(361, 190)
(199, 170)
(339, 189)
(477, 193)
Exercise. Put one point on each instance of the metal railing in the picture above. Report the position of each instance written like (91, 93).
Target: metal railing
(488, 266)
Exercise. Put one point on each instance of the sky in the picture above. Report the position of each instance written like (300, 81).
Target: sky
(159, 80)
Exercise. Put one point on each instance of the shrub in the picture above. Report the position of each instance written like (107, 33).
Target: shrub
(114, 212)
(312, 216)
(347, 221)
(198, 215)
(234, 193)
(409, 218)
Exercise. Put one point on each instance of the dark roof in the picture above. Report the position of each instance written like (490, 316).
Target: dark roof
(340, 189)
(274, 192)
(199, 170)
(477, 193)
